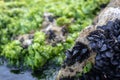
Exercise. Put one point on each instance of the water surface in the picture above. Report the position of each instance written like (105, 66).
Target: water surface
(49, 72)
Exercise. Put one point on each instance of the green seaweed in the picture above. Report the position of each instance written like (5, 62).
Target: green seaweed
(19, 17)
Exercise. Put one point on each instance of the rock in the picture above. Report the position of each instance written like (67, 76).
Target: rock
(110, 13)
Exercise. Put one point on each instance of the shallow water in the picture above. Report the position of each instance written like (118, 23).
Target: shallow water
(6, 74)
(48, 73)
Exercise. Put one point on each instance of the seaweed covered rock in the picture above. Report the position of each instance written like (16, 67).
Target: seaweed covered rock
(26, 40)
(54, 33)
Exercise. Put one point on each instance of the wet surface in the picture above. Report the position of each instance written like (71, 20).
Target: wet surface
(6, 74)
(49, 72)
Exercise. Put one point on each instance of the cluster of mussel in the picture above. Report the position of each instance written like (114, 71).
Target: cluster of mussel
(77, 54)
(105, 41)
